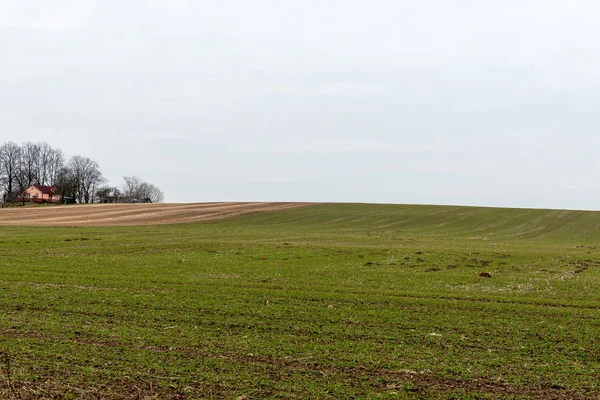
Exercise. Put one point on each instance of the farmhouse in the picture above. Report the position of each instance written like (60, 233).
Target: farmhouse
(40, 194)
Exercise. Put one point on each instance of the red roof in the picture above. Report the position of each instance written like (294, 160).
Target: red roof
(45, 189)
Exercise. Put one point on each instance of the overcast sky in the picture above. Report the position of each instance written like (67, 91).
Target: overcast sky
(439, 102)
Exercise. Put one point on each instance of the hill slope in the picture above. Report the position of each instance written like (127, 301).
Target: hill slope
(477, 223)
(327, 301)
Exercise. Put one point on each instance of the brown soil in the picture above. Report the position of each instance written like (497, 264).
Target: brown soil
(132, 214)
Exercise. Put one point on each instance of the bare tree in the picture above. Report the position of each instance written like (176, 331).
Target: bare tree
(86, 176)
(135, 187)
(149, 191)
(65, 183)
(56, 162)
(108, 194)
(80, 178)
(10, 156)
(49, 163)
(28, 166)
(131, 185)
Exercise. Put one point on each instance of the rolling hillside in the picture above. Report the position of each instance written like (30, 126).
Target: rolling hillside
(482, 223)
(296, 301)
(472, 222)
(477, 223)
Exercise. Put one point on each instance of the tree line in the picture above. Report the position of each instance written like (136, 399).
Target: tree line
(78, 177)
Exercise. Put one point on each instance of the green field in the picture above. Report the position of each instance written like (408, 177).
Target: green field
(330, 301)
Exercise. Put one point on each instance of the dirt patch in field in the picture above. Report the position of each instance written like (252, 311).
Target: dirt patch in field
(132, 214)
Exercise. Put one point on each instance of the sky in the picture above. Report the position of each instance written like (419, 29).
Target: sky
(491, 103)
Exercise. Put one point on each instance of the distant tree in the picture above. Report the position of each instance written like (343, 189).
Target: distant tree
(103, 194)
(65, 183)
(136, 188)
(28, 173)
(106, 194)
(131, 186)
(149, 191)
(10, 159)
(49, 163)
(28, 164)
(80, 177)
(86, 176)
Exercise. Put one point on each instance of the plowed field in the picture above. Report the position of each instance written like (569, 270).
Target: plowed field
(132, 214)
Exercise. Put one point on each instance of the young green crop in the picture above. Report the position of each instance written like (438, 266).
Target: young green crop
(330, 301)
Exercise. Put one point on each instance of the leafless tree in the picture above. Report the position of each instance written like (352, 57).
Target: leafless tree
(49, 163)
(149, 191)
(107, 194)
(28, 164)
(65, 183)
(39, 163)
(86, 176)
(136, 188)
(131, 185)
(10, 156)
(27, 173)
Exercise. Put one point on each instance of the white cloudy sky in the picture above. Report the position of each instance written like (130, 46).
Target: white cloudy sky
(470, 102)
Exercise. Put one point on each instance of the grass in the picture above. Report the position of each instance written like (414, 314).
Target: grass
(330, 301)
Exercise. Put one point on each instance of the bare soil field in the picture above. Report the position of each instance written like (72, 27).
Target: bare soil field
(132, 214)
